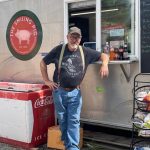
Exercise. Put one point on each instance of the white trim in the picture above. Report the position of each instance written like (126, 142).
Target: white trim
(83, 13)
(132, 32)
(65, 21)
(98, 25)
(70, 1)
(66, 25)
(135, 29)
(108, 10)
(139, 36)
(93, 12)
(4, 0)
(137, 32)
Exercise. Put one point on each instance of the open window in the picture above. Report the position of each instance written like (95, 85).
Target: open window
(83, 15)
(117, 23)
(104, 21)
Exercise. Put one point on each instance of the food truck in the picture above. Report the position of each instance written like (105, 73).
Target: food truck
(31, 28)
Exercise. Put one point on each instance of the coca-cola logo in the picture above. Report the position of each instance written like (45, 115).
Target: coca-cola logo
(43, 101)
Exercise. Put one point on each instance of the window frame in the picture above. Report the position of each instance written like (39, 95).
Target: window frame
(135, 25)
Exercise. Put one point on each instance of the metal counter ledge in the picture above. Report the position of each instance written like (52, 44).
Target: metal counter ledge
(123, 63)
(131, 60)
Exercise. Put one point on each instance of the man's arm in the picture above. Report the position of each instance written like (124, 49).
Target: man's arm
(104, 67)
(43, 68)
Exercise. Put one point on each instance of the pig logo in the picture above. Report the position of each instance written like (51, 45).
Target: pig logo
(23, 35)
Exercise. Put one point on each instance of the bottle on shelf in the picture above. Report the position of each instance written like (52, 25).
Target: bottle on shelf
(112, 53)
(125, 53)
(106, 48)
(116, 51)
(121, 51)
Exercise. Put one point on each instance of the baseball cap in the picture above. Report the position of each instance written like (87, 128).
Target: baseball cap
(75, 30)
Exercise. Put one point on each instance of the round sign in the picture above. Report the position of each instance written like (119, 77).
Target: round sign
(24, 35)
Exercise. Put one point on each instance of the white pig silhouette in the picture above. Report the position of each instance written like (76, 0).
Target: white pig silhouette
(23, 35)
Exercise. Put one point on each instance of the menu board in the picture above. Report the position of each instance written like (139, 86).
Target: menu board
(145, 36)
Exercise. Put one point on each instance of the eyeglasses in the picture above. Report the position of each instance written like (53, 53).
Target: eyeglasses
(77, 37)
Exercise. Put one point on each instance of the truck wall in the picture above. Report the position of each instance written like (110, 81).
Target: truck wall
(50, 14)
(108, 101)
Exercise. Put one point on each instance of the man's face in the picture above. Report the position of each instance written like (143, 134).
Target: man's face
(74, 40)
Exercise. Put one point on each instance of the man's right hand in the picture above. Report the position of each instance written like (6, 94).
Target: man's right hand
(43, 67)
(52, 85)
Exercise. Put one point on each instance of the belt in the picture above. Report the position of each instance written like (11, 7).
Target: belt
(71, 88)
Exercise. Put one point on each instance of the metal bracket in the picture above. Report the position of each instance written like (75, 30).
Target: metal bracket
(126, 71)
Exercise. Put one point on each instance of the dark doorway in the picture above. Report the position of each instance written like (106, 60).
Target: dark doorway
(83, 24)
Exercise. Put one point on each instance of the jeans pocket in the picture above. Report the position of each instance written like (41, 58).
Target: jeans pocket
(76, 92)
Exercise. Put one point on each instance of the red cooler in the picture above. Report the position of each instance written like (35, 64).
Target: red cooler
(26, 112)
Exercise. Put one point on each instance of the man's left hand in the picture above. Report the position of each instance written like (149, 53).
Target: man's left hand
(104, 72)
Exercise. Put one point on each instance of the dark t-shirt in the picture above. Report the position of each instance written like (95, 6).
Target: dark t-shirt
(71, 73)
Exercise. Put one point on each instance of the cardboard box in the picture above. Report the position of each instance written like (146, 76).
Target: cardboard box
(54, 138)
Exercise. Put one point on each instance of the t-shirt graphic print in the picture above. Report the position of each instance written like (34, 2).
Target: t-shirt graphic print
(71, 72)
(72, 65)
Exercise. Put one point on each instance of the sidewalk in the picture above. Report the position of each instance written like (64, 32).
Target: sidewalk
(92, 141)
(87, 146)
(111, 139)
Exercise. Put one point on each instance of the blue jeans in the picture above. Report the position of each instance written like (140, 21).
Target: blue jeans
(68, 108)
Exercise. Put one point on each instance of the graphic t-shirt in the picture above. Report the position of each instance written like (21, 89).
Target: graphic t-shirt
(71, 72)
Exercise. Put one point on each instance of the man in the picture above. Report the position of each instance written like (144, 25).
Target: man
(70, 70)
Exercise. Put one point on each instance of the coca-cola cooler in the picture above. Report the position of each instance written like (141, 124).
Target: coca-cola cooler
(26, 112)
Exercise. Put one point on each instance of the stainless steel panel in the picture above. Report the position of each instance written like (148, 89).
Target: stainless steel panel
(108, 101)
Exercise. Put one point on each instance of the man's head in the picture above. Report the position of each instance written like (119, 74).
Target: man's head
(75, 30)
(74, 38)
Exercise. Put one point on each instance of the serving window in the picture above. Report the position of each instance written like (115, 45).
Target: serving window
(117, 23)
(101, 21)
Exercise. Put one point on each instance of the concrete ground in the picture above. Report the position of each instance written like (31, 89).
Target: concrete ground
(87, 146)
(92, 141)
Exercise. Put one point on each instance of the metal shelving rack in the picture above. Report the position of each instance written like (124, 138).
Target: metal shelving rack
(141, 109)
